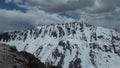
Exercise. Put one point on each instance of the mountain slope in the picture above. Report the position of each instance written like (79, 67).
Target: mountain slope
(70, 45)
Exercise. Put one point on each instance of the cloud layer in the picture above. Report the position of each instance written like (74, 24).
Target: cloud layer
(17, 20)
(104, 13)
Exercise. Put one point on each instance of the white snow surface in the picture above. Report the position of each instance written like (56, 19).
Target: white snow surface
(62, 44)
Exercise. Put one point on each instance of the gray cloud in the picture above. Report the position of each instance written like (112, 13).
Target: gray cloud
(96, 12)
(61, 5)
(14, 20)
(17, 20)
(104, 13)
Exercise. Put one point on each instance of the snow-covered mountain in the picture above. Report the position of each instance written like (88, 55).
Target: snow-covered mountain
(69, 45)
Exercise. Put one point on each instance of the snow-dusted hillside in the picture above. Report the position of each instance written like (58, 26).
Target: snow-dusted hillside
(70, 45)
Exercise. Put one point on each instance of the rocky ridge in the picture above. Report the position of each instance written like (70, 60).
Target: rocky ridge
(69, 45)
(11, 58)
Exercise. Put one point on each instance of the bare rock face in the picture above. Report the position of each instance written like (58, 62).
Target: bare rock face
(11, 58)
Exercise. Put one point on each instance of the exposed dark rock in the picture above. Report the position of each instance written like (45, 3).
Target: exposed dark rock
(107, 49)
(38, 51)
(101, 37)
(75, 64)
(61, 61)
(4, 37)
(67, 29)
(92, 58)
(11, 58)
(62, 43)
(54, 34)
(81, 27)
(61, 31)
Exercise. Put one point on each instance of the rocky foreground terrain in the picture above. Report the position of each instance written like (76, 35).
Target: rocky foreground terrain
(11, 58)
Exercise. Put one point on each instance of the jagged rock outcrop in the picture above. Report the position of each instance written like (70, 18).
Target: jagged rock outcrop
(11, 58)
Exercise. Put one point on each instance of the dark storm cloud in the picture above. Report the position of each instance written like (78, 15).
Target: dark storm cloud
(97, 12)
(14, 20)
(104, 13)
(17, 20)
(61, 5)
(89, 6)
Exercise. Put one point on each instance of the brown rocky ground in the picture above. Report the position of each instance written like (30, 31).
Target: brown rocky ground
(11, 58)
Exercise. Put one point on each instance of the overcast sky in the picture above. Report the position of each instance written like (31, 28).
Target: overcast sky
(26, 14)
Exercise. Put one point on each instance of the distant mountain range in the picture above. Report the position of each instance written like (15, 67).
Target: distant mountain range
(69, 45)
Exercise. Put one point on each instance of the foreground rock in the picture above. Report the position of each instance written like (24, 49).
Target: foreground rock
(11, 58)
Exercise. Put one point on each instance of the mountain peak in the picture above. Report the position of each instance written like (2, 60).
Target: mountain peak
(69, 45)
